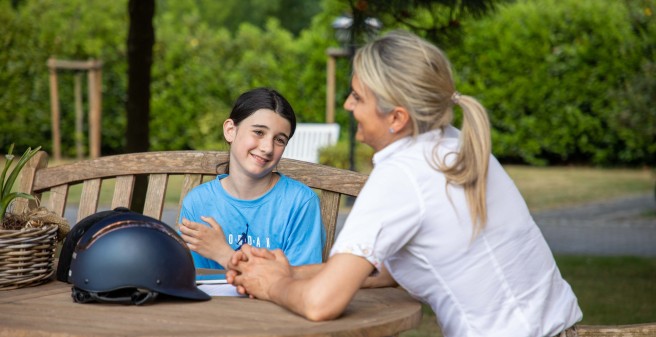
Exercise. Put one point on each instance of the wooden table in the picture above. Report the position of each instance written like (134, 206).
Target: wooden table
(48, 310)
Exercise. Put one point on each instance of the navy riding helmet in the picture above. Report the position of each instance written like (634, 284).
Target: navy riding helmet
(130, 258)
(71, 239)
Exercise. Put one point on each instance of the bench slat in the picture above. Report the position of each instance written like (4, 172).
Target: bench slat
(329, 210)
(57, 199)
(26, 179)
(155, 195)
(89, 198)
(123, 191)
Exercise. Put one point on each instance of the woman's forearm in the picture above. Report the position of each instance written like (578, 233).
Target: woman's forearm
(299, 296)
(307, 271)
(381, 278)
(325, 289)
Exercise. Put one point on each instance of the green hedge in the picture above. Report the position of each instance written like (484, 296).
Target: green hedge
(559, 79)
(568, 81)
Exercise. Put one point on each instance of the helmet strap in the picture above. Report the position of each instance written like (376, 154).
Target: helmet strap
(133, 296)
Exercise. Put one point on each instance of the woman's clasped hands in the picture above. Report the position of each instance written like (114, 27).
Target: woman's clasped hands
(256, 271)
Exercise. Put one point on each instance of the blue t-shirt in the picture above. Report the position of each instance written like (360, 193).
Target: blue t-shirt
(287, 217)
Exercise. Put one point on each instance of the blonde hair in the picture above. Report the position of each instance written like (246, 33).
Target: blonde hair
(403, 70)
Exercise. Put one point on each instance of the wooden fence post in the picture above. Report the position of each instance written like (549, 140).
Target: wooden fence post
(54, 109)
(94, 79)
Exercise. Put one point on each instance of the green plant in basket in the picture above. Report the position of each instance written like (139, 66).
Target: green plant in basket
(28, 238)
(7, 182)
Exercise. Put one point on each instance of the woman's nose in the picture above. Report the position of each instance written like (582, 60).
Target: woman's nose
(348, 103)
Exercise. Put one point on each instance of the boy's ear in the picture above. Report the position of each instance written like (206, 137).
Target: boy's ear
(229, 130)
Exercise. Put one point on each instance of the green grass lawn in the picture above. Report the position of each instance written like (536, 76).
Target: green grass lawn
(612, 290)
(552, 187)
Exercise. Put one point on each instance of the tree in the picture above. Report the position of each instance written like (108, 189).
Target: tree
(436, 20)
(294, 15)
(141, 38)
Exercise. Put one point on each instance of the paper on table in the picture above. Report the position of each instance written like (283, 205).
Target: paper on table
(219, 289)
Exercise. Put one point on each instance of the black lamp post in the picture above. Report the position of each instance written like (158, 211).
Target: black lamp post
(342, 26)
(346, 34)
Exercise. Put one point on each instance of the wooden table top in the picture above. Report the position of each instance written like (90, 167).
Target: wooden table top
(48, 310)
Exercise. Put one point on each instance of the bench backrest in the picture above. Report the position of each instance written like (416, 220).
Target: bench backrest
(309, 138)
(192, 166)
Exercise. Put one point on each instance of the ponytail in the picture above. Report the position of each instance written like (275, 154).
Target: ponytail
(470, 167)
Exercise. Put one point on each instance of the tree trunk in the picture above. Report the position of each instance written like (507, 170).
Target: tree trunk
(141, 38)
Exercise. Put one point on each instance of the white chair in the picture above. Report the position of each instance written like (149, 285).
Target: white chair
(309, 138)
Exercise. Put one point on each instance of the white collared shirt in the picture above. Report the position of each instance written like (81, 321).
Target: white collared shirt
(504, 282)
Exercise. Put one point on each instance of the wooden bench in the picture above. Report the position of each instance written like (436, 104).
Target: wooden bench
(52, 184)
(631, 330)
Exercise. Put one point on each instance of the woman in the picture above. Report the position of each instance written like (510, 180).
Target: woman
(438, 215)
(252, 204)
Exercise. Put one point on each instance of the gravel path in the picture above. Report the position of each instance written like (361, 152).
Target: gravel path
(625, 226)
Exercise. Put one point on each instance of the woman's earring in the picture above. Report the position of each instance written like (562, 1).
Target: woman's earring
(391, 130)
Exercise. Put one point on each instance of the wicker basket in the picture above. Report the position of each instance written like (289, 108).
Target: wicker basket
(27, 256)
